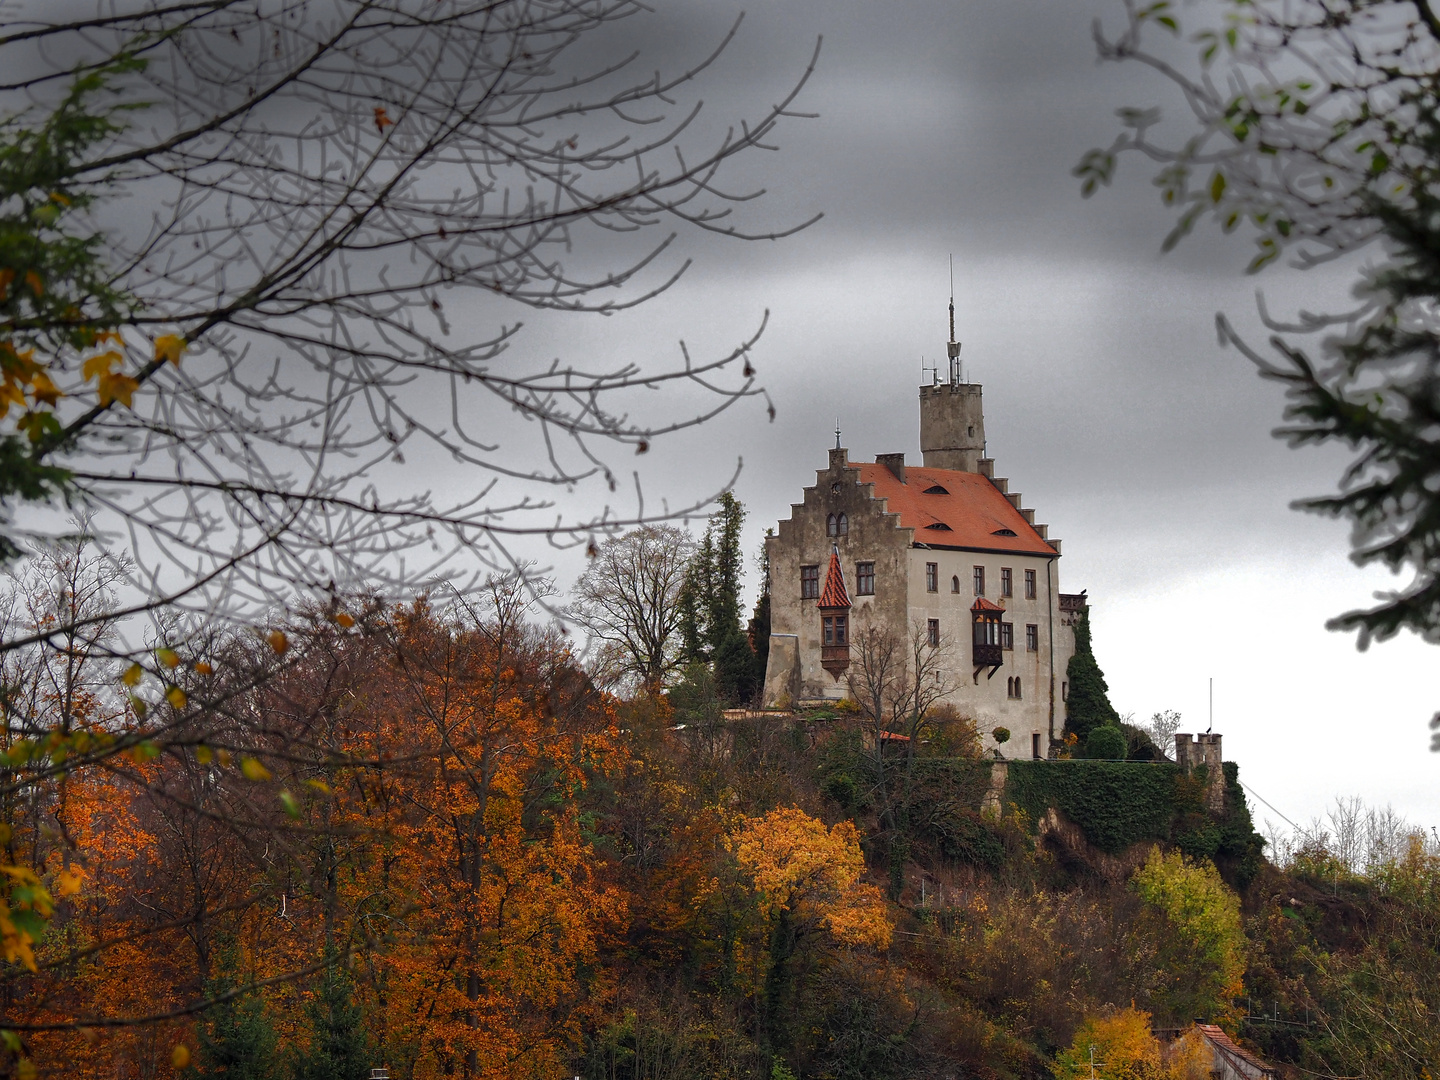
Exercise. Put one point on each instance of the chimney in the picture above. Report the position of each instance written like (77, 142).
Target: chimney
(894, 462)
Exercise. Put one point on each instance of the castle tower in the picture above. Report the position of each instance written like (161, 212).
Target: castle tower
(952, 420)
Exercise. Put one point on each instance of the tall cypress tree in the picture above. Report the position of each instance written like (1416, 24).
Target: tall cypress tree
(1087, 703)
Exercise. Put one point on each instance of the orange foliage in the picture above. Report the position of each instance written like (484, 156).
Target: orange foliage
(800, 867)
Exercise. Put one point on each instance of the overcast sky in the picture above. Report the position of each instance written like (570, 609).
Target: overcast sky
(950, 127)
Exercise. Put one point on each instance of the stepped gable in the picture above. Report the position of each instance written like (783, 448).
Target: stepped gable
(969, 511)
(834, 594)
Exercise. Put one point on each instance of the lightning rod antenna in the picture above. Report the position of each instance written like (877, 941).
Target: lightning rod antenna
(953, 348)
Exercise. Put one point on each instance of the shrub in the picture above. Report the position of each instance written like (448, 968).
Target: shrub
(1106, 743)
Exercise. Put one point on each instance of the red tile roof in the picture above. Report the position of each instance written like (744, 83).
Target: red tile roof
(973, 513)
(834, 594)
(981, 604)
(1228, 1049)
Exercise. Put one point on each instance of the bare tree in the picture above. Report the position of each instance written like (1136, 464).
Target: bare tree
(628, 600)
(332, 215)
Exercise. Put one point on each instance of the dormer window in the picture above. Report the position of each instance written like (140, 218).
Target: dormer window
(936, 489)
(1003, 532)
(837, 525)
(939, 526)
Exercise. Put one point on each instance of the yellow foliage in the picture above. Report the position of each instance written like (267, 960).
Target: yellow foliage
(798, 866)
(1124, 1049)
(169, 347)
(253, 770)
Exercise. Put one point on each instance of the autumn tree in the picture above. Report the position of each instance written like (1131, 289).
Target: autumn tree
(1202, 944)
(807, 882)
(1116, 1045)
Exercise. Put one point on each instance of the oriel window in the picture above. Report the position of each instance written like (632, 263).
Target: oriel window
(835, 629)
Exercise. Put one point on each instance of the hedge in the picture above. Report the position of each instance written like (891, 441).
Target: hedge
(1115, 803)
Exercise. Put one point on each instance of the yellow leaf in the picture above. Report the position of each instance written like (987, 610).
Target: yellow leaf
(344, 620)
(180, 1056)
(168, 657)
(202, 668)
(319, 785)
(67, 882)
(223, 756)
(44, 390)
(119, 388)
(132, 675)
(33, 280)
(204, 755)
(25, 1068)
(278, 641)
(176, 697)
(169, 347)
(253, 770)
(99, 364)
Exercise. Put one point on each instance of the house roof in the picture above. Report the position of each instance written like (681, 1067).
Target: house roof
(833, 595)
(952, 509)
(981, 604)
(1227, 1048)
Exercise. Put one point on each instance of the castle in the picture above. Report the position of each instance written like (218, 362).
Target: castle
(940, 556)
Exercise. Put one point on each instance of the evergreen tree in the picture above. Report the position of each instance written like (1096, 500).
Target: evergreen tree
(236, 1040)
(710, 608)
(1088, 701)
(724, 595)
(694, 603)
(759, 629)
(337, 1048)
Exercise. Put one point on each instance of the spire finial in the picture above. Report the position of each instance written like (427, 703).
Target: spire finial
(837, 433)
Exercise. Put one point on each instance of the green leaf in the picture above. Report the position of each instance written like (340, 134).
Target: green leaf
(1217, 187)
(288, 803)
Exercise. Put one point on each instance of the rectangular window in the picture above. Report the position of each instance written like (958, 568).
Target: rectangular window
(809, 582)
(835, 629)
(932, 633)
(1007, 635)
(1032, 637)
(1035, 746)
(979, 581)
(932, 577)
(1029, 584)
(865, 579)
(1006, 589)
(1064, 691)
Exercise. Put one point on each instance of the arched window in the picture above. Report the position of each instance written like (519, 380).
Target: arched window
(1010, 688)
(830, 525)
(955, 584)
(842, 525)
(1017, 687)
